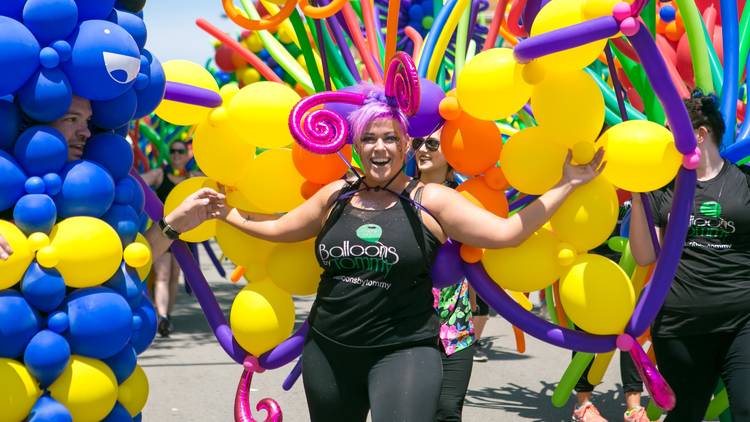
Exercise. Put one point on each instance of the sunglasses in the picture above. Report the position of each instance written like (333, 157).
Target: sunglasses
(432, 144)
(178, 151)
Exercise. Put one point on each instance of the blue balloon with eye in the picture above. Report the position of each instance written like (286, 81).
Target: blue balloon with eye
(43, 288)
(101, 322)
(46, 96)
(94, 9)
(110, 151)
(12, 181)
(20, 55)
(10, 122)
(105, 60)
(114, 113)
(123, 363)
(145, 333)
(41, 150)
(124, 220)
(19, 322)
(152, 93)
(87, 189)
(35, 213)
(48, 409)
(134, 25)
(50, 20)
(46, 356)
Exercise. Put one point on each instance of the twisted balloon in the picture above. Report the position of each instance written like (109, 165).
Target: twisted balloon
(242, 411)
(321, 131)
(402, 83)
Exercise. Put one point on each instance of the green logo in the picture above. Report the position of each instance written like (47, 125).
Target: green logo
(711, 209)
(370, 233)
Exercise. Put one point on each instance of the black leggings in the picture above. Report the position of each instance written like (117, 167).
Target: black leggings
(692, 366)
(456, 375)
(631, 381)
(396, 384)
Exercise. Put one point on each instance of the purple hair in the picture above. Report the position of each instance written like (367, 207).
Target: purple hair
(377, 106)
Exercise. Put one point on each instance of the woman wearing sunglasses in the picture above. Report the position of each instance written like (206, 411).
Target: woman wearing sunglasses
(372, 344)
(166, 271)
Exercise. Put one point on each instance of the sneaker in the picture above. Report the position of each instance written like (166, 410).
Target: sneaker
(163, 327)
(636, 414)
(587, 413)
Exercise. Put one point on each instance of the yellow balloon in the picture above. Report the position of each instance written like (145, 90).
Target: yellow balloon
(14, 267)
(137, 255)
(18, 391)
(597, 295)
(531, 161)
(272, 183)
(244, 250)
(146, 269)
(220, 152)
(294, 267)
(559, 14)
(588, 216)
(263, 109)
(569, 105)
(87, 387)
(531, 266)
(254, 43)
(249, 76)
(188, 73)
(85, 250)
(262, 316)
(491, 85)
(597, 8)
(206, 229)
(640, 155)
(133, 392)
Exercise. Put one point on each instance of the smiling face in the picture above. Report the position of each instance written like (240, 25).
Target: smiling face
(429, 160)
(179, 155)
(74, 126)
(382, 149)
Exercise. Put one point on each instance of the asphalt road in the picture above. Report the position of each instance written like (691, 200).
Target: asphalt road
(192, 379)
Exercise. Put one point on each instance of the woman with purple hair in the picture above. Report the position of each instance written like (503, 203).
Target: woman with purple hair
(373, 343)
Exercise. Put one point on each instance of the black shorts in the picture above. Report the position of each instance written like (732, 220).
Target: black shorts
(483, 309)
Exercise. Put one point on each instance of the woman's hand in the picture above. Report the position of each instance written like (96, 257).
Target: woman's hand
(202, 205)
(5, 250)
(577, 175)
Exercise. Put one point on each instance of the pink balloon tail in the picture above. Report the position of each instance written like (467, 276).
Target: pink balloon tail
(242, 411)
(321, 131)
(655, 383)
(402, 83)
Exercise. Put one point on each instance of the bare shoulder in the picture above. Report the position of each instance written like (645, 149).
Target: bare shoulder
(435, 195)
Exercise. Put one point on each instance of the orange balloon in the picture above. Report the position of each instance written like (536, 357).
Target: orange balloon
(470, 145)
(661, 26)
(492, 200)
(672, 32)
(471, 254)
(449, 108)
(308, 189)
(319, 168)
(495, 179)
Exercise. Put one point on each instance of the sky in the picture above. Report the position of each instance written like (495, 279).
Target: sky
(172, 33)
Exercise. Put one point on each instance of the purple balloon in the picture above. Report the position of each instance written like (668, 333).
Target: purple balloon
(428, 119)
(344, 109)
(566, 38)
(448, 268)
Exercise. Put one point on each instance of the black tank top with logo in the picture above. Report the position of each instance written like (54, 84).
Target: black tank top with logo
(375, 289)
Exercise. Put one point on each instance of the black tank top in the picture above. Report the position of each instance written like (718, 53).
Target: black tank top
(375, 289)
(166, 186)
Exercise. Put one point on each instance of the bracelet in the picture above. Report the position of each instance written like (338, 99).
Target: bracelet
(168, 230)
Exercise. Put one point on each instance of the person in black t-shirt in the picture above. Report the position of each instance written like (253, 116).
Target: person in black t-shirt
(702, 332)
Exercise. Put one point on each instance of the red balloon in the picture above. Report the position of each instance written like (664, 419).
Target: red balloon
(223, 58)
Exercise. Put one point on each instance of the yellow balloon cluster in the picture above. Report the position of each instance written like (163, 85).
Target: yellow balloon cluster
(12, 269)
(262, 316)
(18, 391)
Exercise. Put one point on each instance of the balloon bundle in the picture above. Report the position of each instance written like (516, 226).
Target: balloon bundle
(73, 310)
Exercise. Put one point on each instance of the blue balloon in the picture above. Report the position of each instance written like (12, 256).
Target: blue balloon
(50, 20)
(151, 95)
(19, 322)
(416, 13)
(10, 122)
(118, 414)
(43, 288)
(144, 335)
(12, 9)
(46, 356)
(124, 220)
(52, 183)
(58, 322)
(48, 409)
(129, 192)
(35, 213)
(138, 417)
(110, 151)
(101, 322)
(35, 185)
(94, 9)
(12, 181)
(122, 363)
(46, 96)
(114, 113)
(134, 25)
(122, 130)
(41, 150)
(127, 283)
(20, 55)
(625, 224)
(87, 189)
(667, 13)
(105, 60)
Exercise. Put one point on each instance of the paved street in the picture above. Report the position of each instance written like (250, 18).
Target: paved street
(191, 379)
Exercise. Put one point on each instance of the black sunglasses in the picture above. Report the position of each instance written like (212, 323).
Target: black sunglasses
(432, 144)
(178, 151)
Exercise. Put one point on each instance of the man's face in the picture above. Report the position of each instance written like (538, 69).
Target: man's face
(74, 126)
